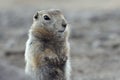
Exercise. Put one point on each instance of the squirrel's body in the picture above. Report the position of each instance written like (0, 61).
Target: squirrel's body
(47, 49)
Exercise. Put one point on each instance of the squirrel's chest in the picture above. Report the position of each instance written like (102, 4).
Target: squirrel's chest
(36, 50)
(35, 53)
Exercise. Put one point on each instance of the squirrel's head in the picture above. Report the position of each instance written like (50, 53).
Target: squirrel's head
(51, 21)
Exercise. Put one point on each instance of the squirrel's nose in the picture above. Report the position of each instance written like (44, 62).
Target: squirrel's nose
(64, 25)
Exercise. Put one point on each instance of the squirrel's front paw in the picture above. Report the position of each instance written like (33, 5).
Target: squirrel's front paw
(53, 61)
(57, 61)
(63, 60)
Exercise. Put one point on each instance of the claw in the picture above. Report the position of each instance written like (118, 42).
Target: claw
(58, 61)
(46, 59)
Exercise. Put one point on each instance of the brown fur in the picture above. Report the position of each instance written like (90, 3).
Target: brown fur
(47, 50)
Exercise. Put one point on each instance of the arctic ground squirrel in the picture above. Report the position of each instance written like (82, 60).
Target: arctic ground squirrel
(47, 48)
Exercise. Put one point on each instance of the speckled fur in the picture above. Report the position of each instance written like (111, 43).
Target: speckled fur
(47, 50)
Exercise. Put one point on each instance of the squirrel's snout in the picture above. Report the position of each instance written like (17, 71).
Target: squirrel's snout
(64, 25)
(62, 29)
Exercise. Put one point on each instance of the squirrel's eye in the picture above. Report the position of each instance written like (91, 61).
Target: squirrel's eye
(46, 17)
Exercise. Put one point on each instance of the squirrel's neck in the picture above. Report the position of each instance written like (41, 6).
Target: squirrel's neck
(47, 36)
(49, 40)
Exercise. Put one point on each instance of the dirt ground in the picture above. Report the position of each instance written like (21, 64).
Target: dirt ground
(94, 39)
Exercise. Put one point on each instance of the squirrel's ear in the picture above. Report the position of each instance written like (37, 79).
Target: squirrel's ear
(36, 16)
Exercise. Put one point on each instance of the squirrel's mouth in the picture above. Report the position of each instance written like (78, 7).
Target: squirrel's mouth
(61, 31)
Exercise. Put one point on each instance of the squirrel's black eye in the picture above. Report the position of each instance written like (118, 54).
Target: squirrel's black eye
(46, 17)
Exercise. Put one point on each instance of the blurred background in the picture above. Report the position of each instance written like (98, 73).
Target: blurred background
(95, 36)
